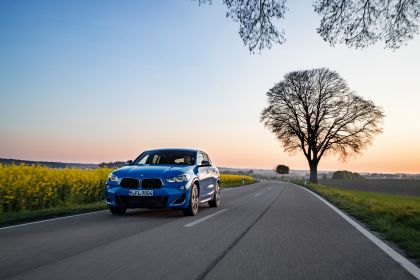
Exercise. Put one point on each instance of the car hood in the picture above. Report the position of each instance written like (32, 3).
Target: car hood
(151, 171)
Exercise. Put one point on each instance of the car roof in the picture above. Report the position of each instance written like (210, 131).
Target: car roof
(174, 149)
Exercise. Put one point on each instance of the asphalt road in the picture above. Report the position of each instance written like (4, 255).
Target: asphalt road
(268, 230)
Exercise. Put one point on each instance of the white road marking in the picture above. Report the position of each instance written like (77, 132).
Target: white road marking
(404, 262)
(53, 219)
(258, 194)
(205, 218)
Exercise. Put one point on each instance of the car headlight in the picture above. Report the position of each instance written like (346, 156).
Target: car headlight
(179, 178)
(112, 177)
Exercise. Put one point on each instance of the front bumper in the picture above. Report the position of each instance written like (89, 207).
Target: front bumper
(164, 197)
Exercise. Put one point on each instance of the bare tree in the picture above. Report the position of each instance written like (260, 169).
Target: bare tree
(360, 23)
(255, 19)
(356, 23)
(316, 112)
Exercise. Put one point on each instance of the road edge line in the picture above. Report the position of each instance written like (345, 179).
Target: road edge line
(403, 261)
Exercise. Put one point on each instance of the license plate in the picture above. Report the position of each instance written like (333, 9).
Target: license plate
(140, 193)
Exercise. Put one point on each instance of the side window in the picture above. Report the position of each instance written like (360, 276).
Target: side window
(179, 160)
(199, 158)
(143, 160)
(155, 159)
(206, 157)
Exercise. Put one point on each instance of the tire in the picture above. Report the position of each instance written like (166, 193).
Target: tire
(192, 208)
(215, 202)
(117, 210)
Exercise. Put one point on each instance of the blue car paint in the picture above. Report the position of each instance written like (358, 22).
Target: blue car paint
(206, 178)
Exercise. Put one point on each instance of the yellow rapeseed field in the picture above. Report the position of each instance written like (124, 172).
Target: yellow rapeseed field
(233, 179)
(38, 187)
(24, 187)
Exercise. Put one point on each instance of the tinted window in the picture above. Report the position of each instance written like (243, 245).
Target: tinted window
(171, 157)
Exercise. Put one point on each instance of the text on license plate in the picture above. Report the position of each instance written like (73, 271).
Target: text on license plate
(140, 192)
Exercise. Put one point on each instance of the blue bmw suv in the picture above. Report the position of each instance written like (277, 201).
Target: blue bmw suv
(164, 178)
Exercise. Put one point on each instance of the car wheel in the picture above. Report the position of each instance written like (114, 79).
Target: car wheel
(117, 210)
(215, 202)
(192, 209)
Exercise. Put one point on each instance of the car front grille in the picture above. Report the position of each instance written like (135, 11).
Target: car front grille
(151, 183)
(129, 183)
(142, 201)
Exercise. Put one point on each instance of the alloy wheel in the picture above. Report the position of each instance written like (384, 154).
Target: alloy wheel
(194, 200)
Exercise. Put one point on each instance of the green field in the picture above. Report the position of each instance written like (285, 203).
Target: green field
(396, 217)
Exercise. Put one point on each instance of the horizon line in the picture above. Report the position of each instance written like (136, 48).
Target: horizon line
(241, 168)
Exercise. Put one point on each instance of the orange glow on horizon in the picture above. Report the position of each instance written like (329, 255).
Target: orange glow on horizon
(377, 158)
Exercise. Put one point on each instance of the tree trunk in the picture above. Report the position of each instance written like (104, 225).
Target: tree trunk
(313, 177)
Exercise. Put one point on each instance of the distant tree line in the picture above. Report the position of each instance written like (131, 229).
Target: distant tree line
(50, 164)
(237, 172)
(392, 176)
(115, 164)
(344, 174)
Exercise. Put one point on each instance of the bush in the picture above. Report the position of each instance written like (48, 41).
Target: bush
(346, 175)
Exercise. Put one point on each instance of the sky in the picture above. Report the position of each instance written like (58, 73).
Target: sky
(99, 81)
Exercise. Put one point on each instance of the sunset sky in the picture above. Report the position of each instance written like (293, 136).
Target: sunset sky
(94, 81)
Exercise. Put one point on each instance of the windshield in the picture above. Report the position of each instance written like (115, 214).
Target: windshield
(168, 157)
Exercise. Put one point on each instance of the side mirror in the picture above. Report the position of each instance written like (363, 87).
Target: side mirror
(128, 162)
(204, 163)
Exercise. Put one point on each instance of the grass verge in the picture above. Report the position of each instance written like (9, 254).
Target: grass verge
(13, 218)
(397, 217)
